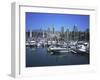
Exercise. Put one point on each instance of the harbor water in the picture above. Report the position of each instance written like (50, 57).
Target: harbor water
(37, 57)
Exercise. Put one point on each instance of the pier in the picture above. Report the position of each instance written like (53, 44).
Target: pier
(75, 47)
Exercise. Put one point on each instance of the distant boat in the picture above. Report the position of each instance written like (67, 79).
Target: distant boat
(64, 51)
(54, 48)
(79, 49)
(57, 50)
(31, 44)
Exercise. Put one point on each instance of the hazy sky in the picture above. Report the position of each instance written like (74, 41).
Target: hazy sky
(44, 20)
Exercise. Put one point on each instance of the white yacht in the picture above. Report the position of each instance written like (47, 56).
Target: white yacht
(82, 48)
(58, 50)
(55, 48)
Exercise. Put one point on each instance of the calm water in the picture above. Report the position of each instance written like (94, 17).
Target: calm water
(40, 57)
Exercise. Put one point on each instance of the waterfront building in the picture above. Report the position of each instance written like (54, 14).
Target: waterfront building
(48, 30)
(75, 33)
(53, 30)
(27, 35)
(62, 30)
(67, 35)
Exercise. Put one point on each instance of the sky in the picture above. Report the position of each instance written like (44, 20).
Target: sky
(35, 21)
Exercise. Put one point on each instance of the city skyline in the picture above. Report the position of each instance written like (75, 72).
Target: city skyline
(35, 21)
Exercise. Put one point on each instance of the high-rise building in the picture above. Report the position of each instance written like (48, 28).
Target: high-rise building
(62, 34)
(67, 35)
(62, 30)
(75, 33)
(48, 29)
(43, 34)
(53, 30)
(27, 34)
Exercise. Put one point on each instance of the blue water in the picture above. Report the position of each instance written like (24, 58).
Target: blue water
(41, 57)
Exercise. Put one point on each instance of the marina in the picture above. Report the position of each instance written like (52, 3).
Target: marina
(57, 39)
(55, 55)
(58, 47)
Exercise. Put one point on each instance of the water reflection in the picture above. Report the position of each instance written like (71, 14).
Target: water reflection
(41, 57)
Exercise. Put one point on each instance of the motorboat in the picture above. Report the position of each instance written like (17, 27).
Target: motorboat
(55, 48)
(58, 50)
(80, 47)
